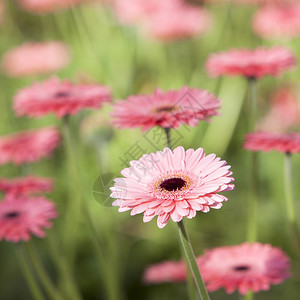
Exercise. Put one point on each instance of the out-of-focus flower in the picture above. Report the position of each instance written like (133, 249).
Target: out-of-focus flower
(172, 184)
(284, 112)
(177, 23)
(251, 63)
(277, 21)
(59, 97)
(135, 11)
(168, 271)
(266, 141)
(254, 2)
(28, 146)
(21, 217)
(166, 109)
(246, 267)
(35, 59)
(47, 6)
(26, 185)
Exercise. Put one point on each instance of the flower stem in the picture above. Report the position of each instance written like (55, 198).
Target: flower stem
(253, 193)
(29, 277)
(289, 198)
(249, 296)
(168, 136)
(42, 274)
(189, 253)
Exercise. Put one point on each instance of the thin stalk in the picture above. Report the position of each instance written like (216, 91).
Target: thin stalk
(112, 287)
(42, 274)
(29, 277)
(189, 253)
(253, 193)
(290, 206)
(249, 296)
(68, 283)
(168, 136)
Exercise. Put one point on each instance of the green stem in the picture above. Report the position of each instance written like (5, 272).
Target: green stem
(254, 183)
(189, 253)
(249, 296)
(41, 272)
(67, 280)
(290, 206)
(29, 277)
(168, 136)
(109, 278)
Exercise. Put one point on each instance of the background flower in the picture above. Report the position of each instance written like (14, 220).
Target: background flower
(21, 217)
(28, 146)
(35, 59)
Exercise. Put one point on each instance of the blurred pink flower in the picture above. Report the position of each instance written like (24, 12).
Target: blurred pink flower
(254, 2)
(166, 109)
(277, 21)
(284, 112)
(59, 97)
(28, 146)
(26, 185)
(266, 141)
(178, 22)
(35, 59)
(251, 63)
(168, 271)
(246, 267)
(21, 217)
(135, 11)
(172, 184)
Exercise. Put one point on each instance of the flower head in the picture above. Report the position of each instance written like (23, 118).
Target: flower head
(35, 59)
(166, 109)
(28, 146)
(26, 185)
(266, 141)
(21, 217)
(251, 63)
(284, 112)
(177, 23)
(168, 271)
(172, 184)
(59, 97)
(277, 21)
(246, 267)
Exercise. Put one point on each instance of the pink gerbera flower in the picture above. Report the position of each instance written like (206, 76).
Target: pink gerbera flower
(172, 184)
(251, 63)
(177, 23)
(277, 21)
(134, 11)
(246, 267)
(59, 97)
(26, 185)
(28, 146)
(35, 59)
(266, 141)
(284, 112)
(168, 271)
(21, 217)
(166, 109)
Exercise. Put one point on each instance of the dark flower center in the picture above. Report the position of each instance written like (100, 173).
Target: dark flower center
(241, 268)
(165, 109)
(61, 94)
(173, 184)
(11, 215)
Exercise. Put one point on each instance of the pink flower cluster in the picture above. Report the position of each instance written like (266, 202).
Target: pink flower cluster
(246, 267)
